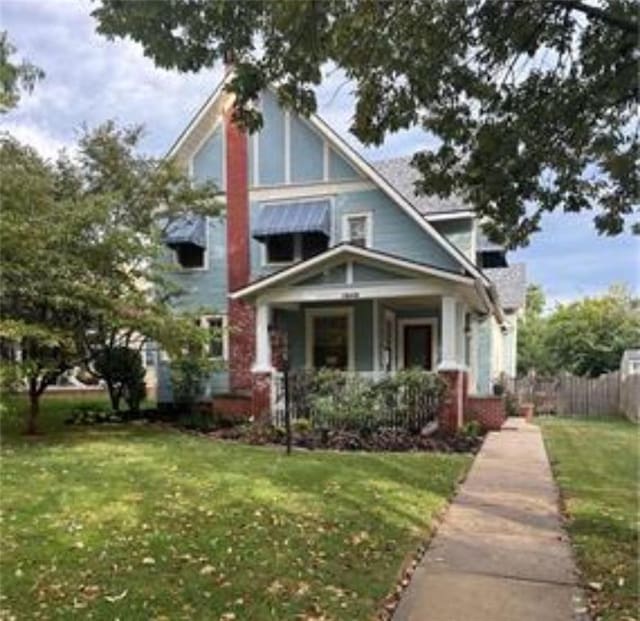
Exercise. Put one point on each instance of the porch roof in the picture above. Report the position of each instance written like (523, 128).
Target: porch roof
(348, 251)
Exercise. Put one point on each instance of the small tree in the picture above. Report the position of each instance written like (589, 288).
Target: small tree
(188, 376)
(122, 371)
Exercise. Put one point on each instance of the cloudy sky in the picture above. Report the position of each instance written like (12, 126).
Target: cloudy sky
(89, 80)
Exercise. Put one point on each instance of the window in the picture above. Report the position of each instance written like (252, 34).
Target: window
(149, 354)
(329, 338)
(189, 256)
(357, 229)
(313, 244)
(280, 249)
(217, 344)
(294, 247)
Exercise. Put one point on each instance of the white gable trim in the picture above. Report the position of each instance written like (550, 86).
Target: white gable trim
(347, 251)
(344, 149)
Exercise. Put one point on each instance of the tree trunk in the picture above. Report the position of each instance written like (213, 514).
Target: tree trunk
(114, 396)
(34, 410)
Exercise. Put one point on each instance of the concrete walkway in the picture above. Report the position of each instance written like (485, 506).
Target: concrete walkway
(501, 553)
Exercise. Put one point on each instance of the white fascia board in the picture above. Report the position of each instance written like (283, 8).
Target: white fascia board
(449, 215)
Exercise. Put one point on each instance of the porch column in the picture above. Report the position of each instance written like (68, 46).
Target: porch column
(262, 363)
(449, 336)
(451, 368)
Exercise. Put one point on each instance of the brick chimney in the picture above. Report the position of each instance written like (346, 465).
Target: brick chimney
(241, 315)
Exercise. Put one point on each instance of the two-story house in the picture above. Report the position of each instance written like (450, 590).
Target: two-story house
(335, 259)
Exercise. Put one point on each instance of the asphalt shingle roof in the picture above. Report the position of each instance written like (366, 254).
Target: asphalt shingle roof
(511, 283)
(402, 176)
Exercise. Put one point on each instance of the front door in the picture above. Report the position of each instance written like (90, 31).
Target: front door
(417, 346)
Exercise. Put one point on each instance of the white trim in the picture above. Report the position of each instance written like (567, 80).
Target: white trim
(262, 363)
(325, 160)
(255, 145)
(287, 147)
(389, 315)
(225, 333)
(347, 250)
(368, 216)
(332, 311)
(449, 215)
(349, 273)
(369, 291)
(375, 307)
(418, 321)
(307, 190)
(204, 109)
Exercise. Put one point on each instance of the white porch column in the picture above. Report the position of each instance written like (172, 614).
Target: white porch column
(263, 340)
(449, 334)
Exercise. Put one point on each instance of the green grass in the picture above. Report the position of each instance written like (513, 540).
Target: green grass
(132, 522)
(596, 466)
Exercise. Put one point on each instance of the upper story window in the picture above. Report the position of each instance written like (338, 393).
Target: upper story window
(357, 229)
(189, 256)
(294, 247)
(187, 237)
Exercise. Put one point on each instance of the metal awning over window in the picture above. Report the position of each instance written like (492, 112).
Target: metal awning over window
(286, 218)
(186, 230)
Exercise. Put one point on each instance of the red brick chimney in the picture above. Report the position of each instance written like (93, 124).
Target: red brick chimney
(241, 315)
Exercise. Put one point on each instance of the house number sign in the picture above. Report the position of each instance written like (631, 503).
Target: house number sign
(350, 295)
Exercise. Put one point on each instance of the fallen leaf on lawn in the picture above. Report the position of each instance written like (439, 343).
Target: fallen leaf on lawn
(207, 570)
(595, 586)
(358, 538)
(275, 587)
(227, 616)
(148, 560)
(116, 598)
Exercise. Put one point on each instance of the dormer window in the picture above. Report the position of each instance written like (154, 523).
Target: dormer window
(187, 237)
(280, 248)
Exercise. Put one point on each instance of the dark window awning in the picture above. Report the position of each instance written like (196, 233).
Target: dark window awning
(186, 230)
(286, 218)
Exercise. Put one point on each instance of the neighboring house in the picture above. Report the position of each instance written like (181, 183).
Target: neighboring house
(336, 260)
(630, 363)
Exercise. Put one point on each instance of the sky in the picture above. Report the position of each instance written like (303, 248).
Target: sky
(90, 80)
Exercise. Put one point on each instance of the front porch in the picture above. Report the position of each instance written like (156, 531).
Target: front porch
(359, 311)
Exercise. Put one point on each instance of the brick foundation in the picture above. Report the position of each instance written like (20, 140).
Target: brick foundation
(489, 411)
(261, 396)
(232, 408)
(450, 416)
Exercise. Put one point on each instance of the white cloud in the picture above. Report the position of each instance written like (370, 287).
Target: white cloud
(42, 141)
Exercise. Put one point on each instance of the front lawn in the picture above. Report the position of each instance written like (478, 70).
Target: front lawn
(596, 466)
(132, 522)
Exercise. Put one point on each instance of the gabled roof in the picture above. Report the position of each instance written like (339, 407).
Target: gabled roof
(511, 284)
(347, 251)
(361, 164)
(403, 176)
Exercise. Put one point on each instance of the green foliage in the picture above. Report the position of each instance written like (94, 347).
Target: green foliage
(14, 76)
(122, 370)
(587, 337)
(595, 463)
(471, 429)
(188, 376)
(94, 273)
(534, 104)
(340, 400)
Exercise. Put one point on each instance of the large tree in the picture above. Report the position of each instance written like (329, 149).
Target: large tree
(15, 75)
(533, 102)
(82, 254)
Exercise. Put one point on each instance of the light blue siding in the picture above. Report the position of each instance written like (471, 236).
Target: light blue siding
(393, 230)
(366, 273)
(206, 288)
(207, 162)
(332, 276)
(458, 232)
(340, 169)
(307, 157)
(294, 323)
(271, 142)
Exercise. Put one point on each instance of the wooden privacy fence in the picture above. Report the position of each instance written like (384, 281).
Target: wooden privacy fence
(568, 395)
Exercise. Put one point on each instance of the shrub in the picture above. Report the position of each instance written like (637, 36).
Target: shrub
(188, 377)
(123, 372)
(471, 429)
